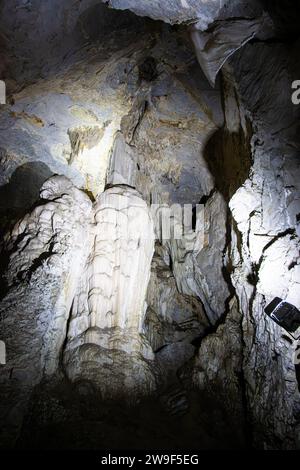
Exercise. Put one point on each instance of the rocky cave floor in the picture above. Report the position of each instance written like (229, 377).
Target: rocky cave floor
(62, 417)
(114, 108)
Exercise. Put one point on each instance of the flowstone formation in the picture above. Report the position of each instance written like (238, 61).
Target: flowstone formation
(80, 274)
(105, 344)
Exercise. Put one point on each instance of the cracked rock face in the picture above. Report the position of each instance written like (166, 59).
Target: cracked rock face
(185, 11)
(109, 324)
(44, 255)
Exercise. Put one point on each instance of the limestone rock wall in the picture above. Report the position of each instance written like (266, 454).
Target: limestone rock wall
(44, 255)
(74, 297)
(120, 111)
(187, 11)
(270, 243)
(263, 251)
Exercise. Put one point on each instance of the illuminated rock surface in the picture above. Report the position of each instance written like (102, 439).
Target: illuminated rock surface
(104, 341)
(44, 255)
(117, 108)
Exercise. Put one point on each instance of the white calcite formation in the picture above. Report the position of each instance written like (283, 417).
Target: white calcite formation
(45, 254)
(108, 310)
(122, 168)
(78, 276)
(264, 254)
(119, 105)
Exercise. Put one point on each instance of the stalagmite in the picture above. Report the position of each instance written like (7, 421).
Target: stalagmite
(109, 308)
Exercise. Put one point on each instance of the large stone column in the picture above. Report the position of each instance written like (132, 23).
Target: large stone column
(105, 344)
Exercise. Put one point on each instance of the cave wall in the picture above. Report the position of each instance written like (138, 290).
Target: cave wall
(263, 249)
(40, 38)
(124, 118)
(135, 119)
(270, 235)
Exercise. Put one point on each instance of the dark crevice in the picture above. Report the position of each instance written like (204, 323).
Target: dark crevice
(248, 427)
(123, 185)
(206, 197)
(160, 348)
(90, 195)
(229, 158)
(64, 345)
(148, 70)
(289, 231)
(253, 277)
(5, 254)
(37, 263)
(292, 265)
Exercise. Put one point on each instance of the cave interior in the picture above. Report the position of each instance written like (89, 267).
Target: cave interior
(118, 333)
